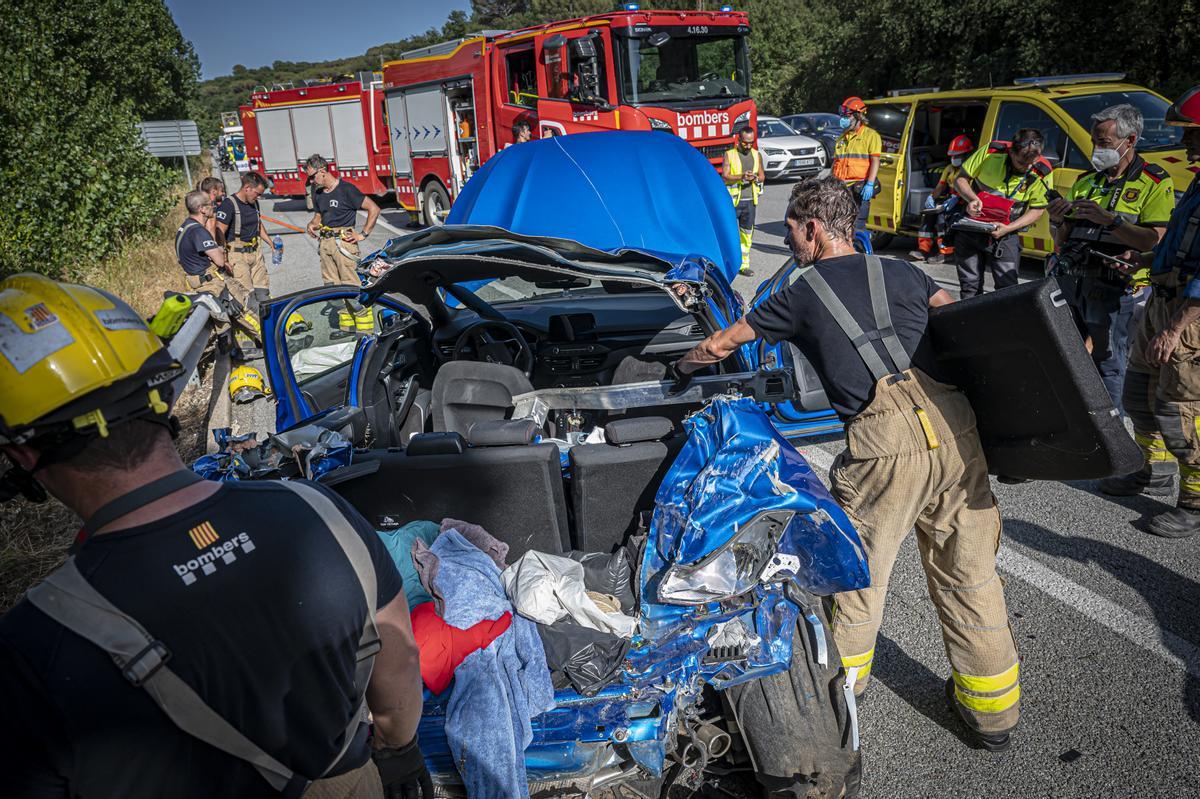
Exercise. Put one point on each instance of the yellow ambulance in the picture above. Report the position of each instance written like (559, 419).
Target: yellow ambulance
(917, 126)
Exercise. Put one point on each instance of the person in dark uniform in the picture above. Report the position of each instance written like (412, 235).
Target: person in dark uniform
(913, 457)
(188, 602)
(215, 189)
(199, 255)
(240, 226)
(337, 203)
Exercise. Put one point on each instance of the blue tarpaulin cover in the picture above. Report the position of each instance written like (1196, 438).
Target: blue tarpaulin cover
(610, 190)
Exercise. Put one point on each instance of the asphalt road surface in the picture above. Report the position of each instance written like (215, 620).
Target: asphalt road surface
(1106, 617)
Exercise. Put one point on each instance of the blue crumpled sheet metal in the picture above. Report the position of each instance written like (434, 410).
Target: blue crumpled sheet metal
(736, 465)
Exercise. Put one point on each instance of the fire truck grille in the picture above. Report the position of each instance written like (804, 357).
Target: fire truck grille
(714, 151)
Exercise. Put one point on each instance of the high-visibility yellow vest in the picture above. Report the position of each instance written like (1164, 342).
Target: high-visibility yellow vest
(733, 168)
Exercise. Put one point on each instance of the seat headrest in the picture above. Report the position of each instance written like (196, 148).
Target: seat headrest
(644, 428)
(436, 444)
(501, 432)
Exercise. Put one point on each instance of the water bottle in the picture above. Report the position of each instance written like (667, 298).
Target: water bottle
(277, 254)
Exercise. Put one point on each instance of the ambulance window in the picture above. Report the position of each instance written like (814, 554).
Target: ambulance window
(889, 120)
(522, 79)
(1015, 116)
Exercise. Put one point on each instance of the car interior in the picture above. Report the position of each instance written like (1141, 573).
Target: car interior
(431, 406)
(934, 127)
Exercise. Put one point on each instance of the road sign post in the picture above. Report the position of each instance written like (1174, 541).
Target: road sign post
(172, 138)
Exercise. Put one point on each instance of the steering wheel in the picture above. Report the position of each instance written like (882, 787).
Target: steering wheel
(710, 76)
(494, 341)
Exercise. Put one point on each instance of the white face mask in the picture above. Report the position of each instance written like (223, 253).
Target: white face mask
(956, 162)
(1104, 158)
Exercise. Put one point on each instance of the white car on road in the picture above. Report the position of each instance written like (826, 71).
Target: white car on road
(785, 153)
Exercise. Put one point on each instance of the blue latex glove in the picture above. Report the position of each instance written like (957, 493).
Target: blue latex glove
(951, 202)
(929, 203)
(868, 191)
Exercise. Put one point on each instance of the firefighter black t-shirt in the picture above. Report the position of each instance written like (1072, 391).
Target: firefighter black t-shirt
(226, 215)
(339, 206)
(796, 315)
(261, 612)
(192, 242)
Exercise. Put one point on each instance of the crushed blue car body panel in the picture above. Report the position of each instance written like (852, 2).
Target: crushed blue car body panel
(673, 657)
(644, 190)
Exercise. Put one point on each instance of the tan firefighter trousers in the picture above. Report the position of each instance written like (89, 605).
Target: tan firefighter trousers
(913, 458)
(1163, 401)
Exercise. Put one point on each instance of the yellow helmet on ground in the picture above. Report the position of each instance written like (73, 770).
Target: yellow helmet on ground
(74, 360)
(297, 324)
(246, 384)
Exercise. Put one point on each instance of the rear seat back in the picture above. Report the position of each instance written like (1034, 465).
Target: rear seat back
(515, 492)
(612, 483)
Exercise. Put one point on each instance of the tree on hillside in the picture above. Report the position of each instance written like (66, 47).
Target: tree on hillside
(76, 79)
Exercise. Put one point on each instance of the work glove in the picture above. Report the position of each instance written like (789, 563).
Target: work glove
(951, 201)
(929, 202)
(868, 191)
(403, 772)
(680, 380)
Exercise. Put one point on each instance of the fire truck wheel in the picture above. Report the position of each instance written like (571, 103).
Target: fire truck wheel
(435, 203)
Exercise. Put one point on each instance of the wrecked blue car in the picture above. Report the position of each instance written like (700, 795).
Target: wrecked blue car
(516, 378)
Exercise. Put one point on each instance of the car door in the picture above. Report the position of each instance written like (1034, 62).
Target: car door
(808, 413)
(892, 122)
(568, 63)
(310, 364)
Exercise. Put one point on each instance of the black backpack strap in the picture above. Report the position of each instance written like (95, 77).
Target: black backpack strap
(863, 341)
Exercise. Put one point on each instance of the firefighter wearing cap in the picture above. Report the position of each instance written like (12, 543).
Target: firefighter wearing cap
(1003, 185)
(932, 244)
(195, 619)
(241, 228)
(337, 203)
(856, 156)
(1122, 203)
(744, 177)
(1162, 385)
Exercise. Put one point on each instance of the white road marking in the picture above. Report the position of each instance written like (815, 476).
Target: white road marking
(1136, 629)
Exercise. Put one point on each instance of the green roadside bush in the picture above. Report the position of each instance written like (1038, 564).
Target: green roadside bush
(75, 79)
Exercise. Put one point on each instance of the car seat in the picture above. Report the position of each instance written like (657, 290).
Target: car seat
(465, 392)
(511, 487)
(612, 483)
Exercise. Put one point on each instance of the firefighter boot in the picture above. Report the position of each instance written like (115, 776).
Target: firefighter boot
(1176, 523)
(345, 325)
(1148, 480)
(991, 741)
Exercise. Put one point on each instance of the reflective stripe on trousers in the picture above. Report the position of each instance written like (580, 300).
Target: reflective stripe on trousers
(914, 459)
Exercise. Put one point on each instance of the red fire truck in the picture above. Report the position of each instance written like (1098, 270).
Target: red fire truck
(344, 122)
(250, 134)
(452, 106)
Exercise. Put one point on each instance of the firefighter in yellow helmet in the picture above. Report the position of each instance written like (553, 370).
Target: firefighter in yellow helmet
(187, 601)
(744, 177)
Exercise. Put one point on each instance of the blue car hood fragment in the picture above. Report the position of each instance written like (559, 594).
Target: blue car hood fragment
(734, 466)
(610, 190)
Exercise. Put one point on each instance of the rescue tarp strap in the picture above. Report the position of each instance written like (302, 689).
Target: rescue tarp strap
(67, 597)
(883, 319)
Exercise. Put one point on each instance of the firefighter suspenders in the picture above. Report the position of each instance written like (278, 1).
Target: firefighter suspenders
(67, 597)
(862, 341)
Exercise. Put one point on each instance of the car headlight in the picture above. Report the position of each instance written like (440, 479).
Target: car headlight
(730, 571)
(742, 117)
(773, 151)
(658, 124)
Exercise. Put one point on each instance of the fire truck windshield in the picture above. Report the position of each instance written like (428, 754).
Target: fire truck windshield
(680, 64)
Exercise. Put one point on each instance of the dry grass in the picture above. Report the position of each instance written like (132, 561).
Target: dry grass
(35, 538)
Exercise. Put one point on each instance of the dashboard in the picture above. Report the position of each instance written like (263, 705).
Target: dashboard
(584, 339)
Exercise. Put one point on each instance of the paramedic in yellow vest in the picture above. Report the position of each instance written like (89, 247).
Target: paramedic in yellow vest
(932, 243)
(744, 177)
(856, 156)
